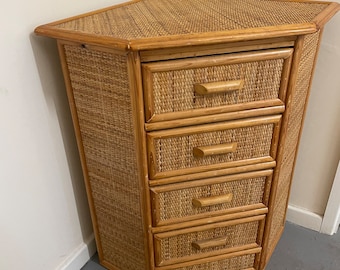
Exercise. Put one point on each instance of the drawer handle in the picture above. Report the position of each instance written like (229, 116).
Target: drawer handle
(203, 151)
(213, 200)
(218, 87)
(210, 243)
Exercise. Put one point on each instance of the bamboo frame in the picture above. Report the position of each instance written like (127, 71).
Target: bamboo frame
(137, 99)
(224, 36)
(295, 66)
(147, 54)
(301, 41)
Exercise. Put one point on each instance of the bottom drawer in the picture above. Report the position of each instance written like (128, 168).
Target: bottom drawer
(233, 262)
(209, 240)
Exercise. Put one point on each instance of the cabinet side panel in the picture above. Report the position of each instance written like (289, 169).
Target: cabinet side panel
(100, 90)
(290, 144)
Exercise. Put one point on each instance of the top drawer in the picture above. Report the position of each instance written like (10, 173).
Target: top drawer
(215, 84)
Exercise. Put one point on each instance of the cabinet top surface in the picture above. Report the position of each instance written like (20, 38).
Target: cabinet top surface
(146, 24)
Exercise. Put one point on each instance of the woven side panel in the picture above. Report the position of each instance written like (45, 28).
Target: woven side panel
(236, 263)
(150, 18)
(180, 246)
(178, 203)
(174, 90)
(176, 153)
(293, 131)
(101, 93)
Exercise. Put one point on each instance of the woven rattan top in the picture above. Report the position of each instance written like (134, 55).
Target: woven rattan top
(155, 23)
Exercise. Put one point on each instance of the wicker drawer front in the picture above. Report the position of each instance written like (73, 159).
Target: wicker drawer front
(213, 146)
(210, 197)
(205, 85)
(234, 261)
(205, 241)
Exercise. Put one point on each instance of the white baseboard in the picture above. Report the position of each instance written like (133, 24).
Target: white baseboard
(331, 219)
(78, 258)
(304, 218)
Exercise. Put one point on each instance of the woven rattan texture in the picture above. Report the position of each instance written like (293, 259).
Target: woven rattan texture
(102, 97)
(236, 263)
(155, 18)
(293, 131)
(176, 153)
(174, 90)
(178, 203)
(180, 246)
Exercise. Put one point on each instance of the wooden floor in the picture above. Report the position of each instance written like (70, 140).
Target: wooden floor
(298, 249)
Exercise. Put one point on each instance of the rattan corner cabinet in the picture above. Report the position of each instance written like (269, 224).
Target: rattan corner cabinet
(187, 116)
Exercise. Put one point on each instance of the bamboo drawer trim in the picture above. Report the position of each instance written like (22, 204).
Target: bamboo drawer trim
(249, 211)
(176, 86)
(253, 165)
(249, 122)
(216, 60)
(181, 245)
(240, 192)
(171, 152)
(213, 49)
(217, 114)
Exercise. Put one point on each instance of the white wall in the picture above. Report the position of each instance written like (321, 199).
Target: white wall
(319, 151)
(44, 213)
